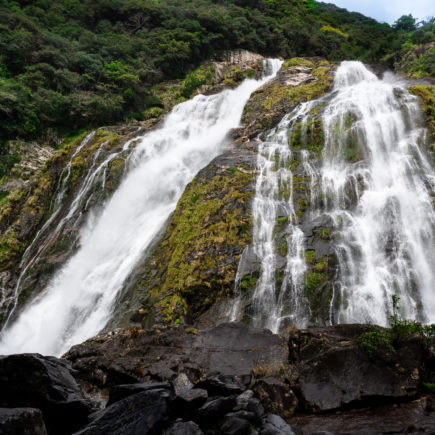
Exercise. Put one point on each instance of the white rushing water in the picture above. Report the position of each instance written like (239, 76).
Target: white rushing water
(79, 300)
(379, 187)
(374, 184)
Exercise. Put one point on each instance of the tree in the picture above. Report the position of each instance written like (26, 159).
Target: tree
(406, 23)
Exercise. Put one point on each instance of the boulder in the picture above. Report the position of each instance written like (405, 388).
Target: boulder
(276, 396)
(223, 357)
(136, 414)
(22, 421)
(183, 428)
(275, 425)
(120, 392)
(336, 371)
(31, 380)
(414, 417)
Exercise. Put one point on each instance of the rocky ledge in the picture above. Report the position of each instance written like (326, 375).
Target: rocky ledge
(230, 379)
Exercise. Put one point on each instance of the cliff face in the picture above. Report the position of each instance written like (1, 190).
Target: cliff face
(171, 363)
(43, 208)
(189, 271)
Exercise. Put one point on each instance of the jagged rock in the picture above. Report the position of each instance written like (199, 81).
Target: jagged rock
(334, 371)
(275, 425)
(225, 385)
(414, 417)
(136, 414)
(31, 380)
(214, 409)
(182, 384)
(187, 401)
(233, 425)
(120, 392)
(276, 396)
(183, 428)
(22, 421)
(229, 351)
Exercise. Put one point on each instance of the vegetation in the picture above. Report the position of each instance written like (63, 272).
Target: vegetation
(388, 339)
(65, 64)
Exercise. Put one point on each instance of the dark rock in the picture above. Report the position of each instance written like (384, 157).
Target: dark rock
(136, 414)
(120, 392)
(224, 385)
(334, 371)
(183, 428)
(225, 354)
(22, 421)
(276, 396)
(275, 425)
(233, 425)
(31, 380)
(244, 415)
(414, 417)
(214, 409)
(255, 406)
(189, 400)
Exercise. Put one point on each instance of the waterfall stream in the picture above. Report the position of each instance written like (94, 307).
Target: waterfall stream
(79, 300)
(373, 183)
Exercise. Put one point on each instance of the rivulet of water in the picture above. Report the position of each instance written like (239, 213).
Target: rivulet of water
(79, 300)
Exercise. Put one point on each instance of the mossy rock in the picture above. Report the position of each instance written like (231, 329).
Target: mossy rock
(196, 261)
(427, 95)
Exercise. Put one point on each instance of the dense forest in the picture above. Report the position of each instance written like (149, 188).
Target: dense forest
(69, 64)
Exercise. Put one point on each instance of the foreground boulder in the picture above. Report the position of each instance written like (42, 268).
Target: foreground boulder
(230, 379)
(335, 369)
(22, 421)
(230, 351)
(45, 383)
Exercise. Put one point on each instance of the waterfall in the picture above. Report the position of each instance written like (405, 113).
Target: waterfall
(372, 181)
(79, 299)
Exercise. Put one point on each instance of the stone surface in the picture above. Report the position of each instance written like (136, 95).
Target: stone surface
(120, 392)
(136, 414)
(334, 371)
(160, 354)
(22, 421)
(183, 428)
(276, 396)
(414, 417)
(275, 425)
(30, 380)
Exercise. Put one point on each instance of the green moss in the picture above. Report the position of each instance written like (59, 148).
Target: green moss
(283, 248)
(293, 95)
(209, 219)
(314, 280)
(310, 256)
(248, 282)
(325, 233)
(298, 61)
(427, 95)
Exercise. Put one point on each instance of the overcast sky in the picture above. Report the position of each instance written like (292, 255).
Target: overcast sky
(388, 10)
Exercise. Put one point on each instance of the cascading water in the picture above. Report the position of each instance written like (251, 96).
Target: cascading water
(273, 202)
(378, 186)
(79, 300)
(373, 183)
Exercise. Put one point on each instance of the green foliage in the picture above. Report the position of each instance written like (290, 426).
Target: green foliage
(406, 23)
(388, 339)
(74, 63)
(248, 282)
